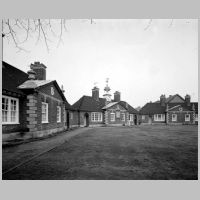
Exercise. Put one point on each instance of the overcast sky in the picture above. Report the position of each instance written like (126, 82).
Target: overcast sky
(142, 63)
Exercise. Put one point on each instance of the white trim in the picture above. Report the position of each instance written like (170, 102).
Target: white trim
(174, 117)
(131, 117)
(9, 111)
(161, 119)
(174, 107)
(123, 117)
(96, 117)
(196, 117)
(46, 121)
(187, 119)
(112, 117)
(143, 117)
(58, 116)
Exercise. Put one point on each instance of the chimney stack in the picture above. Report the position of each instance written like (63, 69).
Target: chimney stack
(162, 100)
(95, 93)
(31, 74)
(117, 96)
(40, 70)
(187, 99)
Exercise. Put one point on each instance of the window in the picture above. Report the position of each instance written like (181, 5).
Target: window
(196, 117)
(159, 117)
(131, 117)
(44, 112)
(112, 117)
(58, 114)
(10, 110)
(174, 117)
(96, 116)
(123, 117)
(117, 114)
(71, 115)
(187, 117)
(143, 117)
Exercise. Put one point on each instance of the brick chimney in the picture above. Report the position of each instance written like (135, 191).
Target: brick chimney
(31, 74)
(187, 99)
(40, 70)
(117, 96)
(95, 93)
(162, 100)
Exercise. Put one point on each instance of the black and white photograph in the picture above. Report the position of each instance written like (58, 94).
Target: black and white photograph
(99, 99)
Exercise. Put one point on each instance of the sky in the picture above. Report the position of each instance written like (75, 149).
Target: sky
(141, 61)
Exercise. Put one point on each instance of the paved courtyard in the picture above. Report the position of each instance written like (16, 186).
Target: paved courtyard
(114, 153)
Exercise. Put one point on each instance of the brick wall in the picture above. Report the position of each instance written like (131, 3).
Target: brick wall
(180, 117)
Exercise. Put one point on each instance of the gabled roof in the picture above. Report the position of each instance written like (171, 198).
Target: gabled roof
(152, 108)
(171, 97)
(12, 78)
(156, 108)
(130, 109)
(87, 103)
(32, 84)
(109, 105)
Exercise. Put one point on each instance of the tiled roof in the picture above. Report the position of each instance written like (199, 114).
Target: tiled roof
(109, 105)
(156, 108)
(12, 78)
(130, 109)
(32, 84)
(87, 103)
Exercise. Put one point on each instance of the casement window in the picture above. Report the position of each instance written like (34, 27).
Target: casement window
(131, 117)
(187, 117)
(58, 114)
(10, 110)
(123, 116)
(143, 117)
(174, 117)
(196, 117)
(159, 117)
(96, 117)
(44, 112)
(117, 114)
(112, 117)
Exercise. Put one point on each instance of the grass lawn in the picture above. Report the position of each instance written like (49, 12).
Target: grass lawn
(120, 153)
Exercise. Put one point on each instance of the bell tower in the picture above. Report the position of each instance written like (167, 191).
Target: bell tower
(107, 95)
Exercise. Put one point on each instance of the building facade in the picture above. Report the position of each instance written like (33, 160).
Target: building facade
(31, 105)
(171, 110)
(96, 111)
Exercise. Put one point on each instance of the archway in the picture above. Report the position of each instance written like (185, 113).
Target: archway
(86, 119)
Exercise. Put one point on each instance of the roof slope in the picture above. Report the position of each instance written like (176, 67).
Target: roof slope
(32, 84)
(129, 108)
(87, 103)
(156, 108)
(12, 78)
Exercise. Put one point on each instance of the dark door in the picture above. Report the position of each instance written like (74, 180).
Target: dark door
(135, 120)
(86, 119)
(67, 119)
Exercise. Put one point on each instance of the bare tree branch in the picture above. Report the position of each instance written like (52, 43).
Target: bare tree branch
(148, 25)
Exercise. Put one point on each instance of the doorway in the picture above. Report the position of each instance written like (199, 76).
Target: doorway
(135, 120)
(86, 120)
(67, 120)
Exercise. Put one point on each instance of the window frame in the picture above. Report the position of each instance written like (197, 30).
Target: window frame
(47, 113)
(174, 120)
(96, 117)
(131, 117)
(9, 111)
(196, 117)
(143, 117)
(161, 119)
(112, 119)
(188, 117)
(124, 117)
(58, 117)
